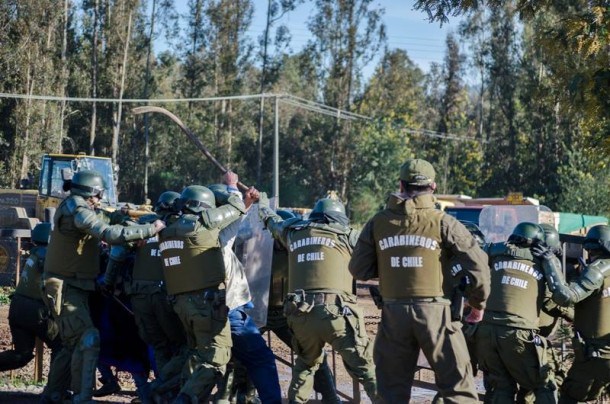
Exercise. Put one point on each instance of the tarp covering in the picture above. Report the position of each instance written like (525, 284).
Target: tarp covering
(570, 223)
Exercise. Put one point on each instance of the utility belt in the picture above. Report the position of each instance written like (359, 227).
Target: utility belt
(313, 298)
(301, 301)
(416, 300)
(214, 294)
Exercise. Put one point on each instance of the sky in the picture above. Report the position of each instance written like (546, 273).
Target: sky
(406, 29)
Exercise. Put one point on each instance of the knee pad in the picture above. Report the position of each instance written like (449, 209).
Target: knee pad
(90, 340)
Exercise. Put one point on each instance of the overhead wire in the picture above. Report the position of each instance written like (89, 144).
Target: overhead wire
(288, 99)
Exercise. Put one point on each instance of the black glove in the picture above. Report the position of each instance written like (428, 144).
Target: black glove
(542, 251)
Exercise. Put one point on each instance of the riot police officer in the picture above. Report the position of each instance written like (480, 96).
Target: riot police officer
(402, 245)
(589, 375)
(28, 316)
(321, 306)
(195, 275)
(158, 325)
(509, 347)
(249, 347)
(323, 382)
(71, 267)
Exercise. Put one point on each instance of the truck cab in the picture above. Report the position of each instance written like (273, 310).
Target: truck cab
(22, 209)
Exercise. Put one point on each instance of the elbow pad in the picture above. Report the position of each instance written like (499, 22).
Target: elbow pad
(589, 281)
(138, 232)
(235, 201)
(118, 234)
(563, 294)
(219, 218)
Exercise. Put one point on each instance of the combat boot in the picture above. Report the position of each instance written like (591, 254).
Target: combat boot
(109, 387)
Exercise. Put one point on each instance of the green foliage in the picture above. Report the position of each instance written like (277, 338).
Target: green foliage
(585, 185)
(5, 293)
(497, 119)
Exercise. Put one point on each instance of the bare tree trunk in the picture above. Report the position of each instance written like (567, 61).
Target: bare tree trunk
(94, 70)
(26, 132)
(146, 120)
(64, 79)
(117, 114)
(259, 164)
(229, 133)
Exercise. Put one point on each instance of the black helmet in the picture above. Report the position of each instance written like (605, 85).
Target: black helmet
(285, 214)
(196, 198)
(551, 236)
(526, 234)
(41, 233)
(598, 238)
(166, 201)
(328, 205)
(88, 183)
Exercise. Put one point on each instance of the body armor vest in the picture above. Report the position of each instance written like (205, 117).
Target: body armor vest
(592, 315)
(318, 257)
(30, 283)
(147, 265)
(191, 256)
(279, 277)
(517, 283)
(71, 253)
(409, 254)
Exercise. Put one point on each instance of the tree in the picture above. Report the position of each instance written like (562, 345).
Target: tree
(347, 35)
(575, 39)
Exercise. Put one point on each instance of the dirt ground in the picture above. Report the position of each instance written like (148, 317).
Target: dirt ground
(20, 387)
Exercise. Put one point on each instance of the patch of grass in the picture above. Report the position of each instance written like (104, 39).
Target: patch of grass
(5, 292)
(20, 382)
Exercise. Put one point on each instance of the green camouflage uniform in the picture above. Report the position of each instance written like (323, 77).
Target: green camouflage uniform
(402, 246)
(321, 307)
(71, 266)
(194, 273)
(158, 324)
(589, 376)
(509, 347)
(323, 382)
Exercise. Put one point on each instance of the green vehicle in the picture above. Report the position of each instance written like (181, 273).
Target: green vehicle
(22, 209)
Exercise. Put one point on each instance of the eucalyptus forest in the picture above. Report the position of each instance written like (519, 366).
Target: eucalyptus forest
(520, 103)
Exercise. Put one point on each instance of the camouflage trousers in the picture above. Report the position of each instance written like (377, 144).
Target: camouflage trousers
(340, 324)
(589, 376)
(160, 327)
(514, 356)
(208, 334)
(407, 327)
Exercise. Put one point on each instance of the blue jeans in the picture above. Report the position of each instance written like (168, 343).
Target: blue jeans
(250, 349)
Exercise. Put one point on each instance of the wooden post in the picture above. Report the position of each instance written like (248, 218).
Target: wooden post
(38, 359)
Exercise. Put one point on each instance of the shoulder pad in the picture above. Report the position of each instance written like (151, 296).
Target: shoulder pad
(331, 227)
(296, 223)
(185, 225)
(602, 266)
(74, 202)
(494, 249)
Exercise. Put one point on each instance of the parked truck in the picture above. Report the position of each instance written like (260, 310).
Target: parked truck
(22, 209)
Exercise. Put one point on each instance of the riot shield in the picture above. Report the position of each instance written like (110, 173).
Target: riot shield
(498, 221)
(254, 248)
